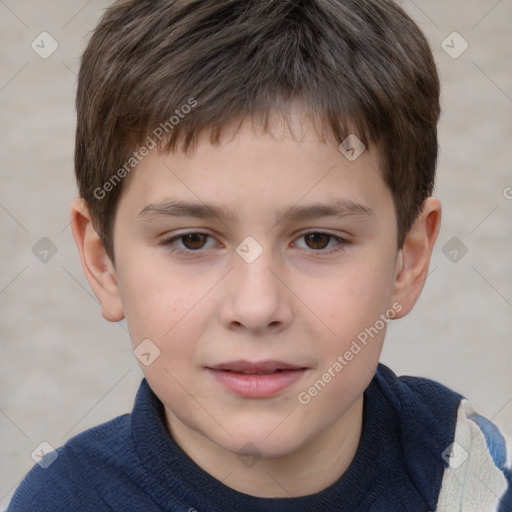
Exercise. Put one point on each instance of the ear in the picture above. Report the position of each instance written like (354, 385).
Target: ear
(414, 257)
(98, 268)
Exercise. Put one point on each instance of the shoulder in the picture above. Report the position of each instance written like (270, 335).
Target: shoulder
(439, 427)
(404, 392)
(64, 476)
(477, 471)
(414, 419)
(425, 410)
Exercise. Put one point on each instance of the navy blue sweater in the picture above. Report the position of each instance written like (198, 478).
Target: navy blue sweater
(132, 463)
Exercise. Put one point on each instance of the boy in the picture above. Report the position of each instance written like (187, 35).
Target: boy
(255, 198)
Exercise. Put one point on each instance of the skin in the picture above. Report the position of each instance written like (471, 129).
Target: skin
(297, 302)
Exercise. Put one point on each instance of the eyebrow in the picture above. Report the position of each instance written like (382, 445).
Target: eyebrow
(177, 208)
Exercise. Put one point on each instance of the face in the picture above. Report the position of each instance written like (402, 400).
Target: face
(262, 273)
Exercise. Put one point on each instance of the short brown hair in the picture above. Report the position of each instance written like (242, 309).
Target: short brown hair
(358, 67)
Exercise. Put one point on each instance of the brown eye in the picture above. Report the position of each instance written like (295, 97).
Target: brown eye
(194, 241)
(317, 241)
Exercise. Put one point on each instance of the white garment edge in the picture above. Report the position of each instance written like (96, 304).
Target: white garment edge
(472, 482)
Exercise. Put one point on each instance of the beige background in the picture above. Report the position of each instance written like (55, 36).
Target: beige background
(64, 369)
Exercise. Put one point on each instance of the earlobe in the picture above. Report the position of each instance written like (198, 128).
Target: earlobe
(414, 258)
(98, 268)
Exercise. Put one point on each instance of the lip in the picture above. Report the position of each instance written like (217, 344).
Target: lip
(259, 379)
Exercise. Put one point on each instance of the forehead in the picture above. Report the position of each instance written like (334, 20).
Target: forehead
(279, 168)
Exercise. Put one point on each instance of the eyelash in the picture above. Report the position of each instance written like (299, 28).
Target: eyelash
(342, 243)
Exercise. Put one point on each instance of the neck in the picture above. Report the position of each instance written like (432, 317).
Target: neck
(308, 470)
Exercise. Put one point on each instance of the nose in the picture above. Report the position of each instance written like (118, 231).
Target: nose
(256, 298)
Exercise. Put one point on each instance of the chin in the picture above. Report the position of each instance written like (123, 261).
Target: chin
(263, 441)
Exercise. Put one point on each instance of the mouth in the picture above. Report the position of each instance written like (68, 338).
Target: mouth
(261, 379)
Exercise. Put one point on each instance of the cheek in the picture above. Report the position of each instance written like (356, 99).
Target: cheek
(353, 305)
(354, 297)
(160, 305)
